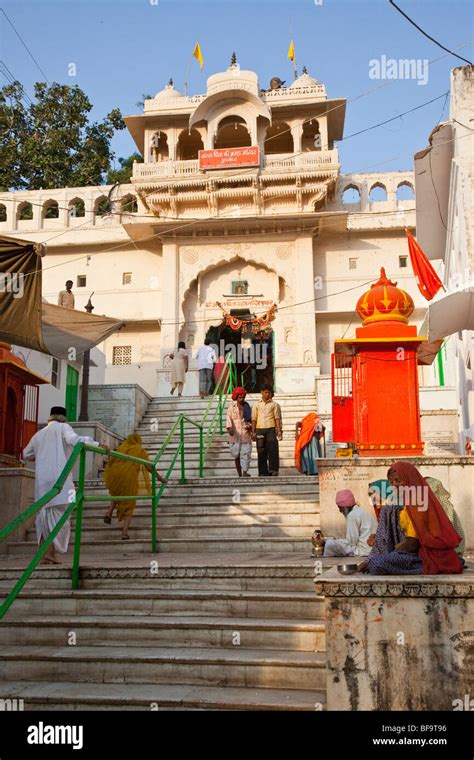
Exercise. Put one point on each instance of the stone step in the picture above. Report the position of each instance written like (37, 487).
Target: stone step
(190, 519)
(40, 695)
(164, 631)
(260, 668)
(202, 512)
(142, 602)
(91, 533)
(189, 545)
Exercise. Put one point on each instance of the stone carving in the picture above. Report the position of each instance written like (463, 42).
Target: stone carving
(404, 588)
(190, 255)
(283, 251)
(308, 357)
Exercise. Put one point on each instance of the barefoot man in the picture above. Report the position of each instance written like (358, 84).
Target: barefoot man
(50, 449)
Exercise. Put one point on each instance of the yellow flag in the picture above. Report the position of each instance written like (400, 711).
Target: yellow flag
(197, 54)
(291, 51)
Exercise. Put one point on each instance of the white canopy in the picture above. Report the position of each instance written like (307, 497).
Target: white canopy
(451, 313)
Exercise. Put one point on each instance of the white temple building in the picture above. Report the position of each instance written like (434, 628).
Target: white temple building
(239, 206)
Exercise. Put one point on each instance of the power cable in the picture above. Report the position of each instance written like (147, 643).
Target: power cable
(25, 45)
(428, 35)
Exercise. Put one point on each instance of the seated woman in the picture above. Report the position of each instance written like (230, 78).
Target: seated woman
(444, 498)
(416, 538)
(380, 495)
(308, 447)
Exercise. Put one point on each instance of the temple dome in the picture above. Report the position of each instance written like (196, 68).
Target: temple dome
(384, 302)
(305, 80)
(168, 92)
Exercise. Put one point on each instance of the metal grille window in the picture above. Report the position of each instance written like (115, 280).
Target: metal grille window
(81, 280)
(402, 261)
(352, 263)
(127, 278)
(122, 355)
(55, 372)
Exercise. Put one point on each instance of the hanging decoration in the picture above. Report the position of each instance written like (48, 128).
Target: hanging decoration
(262, 321)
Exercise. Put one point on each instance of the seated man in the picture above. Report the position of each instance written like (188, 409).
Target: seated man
(359, 528)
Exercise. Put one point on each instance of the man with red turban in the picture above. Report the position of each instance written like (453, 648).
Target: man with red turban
(239, 428)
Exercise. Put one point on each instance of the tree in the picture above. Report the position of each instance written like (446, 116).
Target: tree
(124, 173)
(51, 143)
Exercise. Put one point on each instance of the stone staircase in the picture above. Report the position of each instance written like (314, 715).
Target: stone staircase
(223, 617)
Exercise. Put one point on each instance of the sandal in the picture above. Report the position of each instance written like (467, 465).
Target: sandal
(108, 520)
(125, 537)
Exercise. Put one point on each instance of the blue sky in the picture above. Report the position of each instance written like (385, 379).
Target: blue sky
(123, 48)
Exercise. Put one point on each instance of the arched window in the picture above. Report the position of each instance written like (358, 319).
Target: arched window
(311, 137)
(51, 210)
(25, 212)
(3, 213)
(76, 208)
(378, 193)
(279, 139)
(129, 204)
(159, 146)
(351, 195)
(405, 192)
(232, 132)
(102, 206)
(189, 143)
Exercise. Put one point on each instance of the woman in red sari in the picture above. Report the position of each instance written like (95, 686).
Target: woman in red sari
(429, 535)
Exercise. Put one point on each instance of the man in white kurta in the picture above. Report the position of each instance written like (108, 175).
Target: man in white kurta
(50, 449)
(360, 527)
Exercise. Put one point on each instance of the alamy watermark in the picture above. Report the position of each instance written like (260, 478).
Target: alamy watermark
(12, 282)
(402, 68)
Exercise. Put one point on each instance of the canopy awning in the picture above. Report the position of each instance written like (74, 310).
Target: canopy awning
(451, 313)
(26, 321)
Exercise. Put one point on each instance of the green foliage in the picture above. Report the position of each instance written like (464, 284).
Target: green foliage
(51, 143)
(124, 173)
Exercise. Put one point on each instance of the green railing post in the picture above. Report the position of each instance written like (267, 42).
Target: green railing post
(201, 453)
(153, 510)
(220, 412)
(79, 512)
(181, 437)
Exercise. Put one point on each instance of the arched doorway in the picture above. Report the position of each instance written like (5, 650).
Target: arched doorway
(251, 346)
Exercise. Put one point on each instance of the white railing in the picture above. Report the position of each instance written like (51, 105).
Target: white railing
(278, 162)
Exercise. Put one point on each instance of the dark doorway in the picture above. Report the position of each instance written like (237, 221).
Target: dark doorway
(252, 350)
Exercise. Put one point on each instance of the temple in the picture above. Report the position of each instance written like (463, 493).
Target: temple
(239, 226)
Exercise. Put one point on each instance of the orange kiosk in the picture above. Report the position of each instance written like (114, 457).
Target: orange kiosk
(19, 393)
(375, 395)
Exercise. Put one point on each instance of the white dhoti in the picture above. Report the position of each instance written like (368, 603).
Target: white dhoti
(244, 451)
(338, 547)
(47, 519)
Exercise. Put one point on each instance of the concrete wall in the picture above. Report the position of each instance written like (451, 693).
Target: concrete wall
(398, 643)
(119, 407)
(17, 487)
(456, 474)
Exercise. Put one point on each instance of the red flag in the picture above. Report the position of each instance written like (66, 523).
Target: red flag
(427, 280)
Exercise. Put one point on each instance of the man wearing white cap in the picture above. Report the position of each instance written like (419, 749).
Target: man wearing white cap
(50, 449)
(360, 526)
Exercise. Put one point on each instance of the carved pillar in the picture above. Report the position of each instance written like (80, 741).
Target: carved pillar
(297, 132)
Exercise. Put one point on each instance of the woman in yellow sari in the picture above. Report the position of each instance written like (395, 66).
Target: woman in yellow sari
(122, 479)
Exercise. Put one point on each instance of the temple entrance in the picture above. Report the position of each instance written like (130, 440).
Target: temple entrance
(252, 349)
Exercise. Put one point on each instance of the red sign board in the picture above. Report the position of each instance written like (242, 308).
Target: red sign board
(228, 158)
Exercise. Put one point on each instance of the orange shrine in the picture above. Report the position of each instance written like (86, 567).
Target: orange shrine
(18, 405)
(375, 396)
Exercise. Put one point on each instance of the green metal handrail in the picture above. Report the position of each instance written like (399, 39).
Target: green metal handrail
(223, 388)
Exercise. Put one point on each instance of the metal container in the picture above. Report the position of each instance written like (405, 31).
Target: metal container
(347, 569)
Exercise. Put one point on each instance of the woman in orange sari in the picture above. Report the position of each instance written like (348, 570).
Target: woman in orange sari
(121, 478)
(307, 447)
